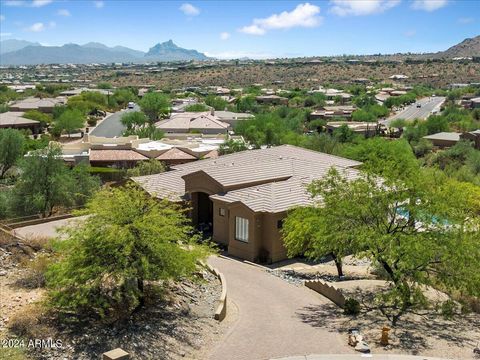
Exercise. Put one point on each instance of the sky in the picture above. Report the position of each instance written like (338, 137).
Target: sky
(255, 29)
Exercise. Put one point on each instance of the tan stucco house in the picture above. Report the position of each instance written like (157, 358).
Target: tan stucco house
(242, 198)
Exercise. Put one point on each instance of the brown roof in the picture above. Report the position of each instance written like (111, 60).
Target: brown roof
(116, 155)
(281, 167)
(15, 119)
(175, 154)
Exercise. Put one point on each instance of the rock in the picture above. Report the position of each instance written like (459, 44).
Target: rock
(362, 346)
(3, 273)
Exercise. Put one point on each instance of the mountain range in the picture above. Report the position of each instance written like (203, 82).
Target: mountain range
(20, 52)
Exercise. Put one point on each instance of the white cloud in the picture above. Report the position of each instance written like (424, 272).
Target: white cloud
(2, 17)
(37, 27)
(5, 34)
(466, 20)
(14, 3)
(429, 5)
(63, 12)
(361, 7)
(252, 30)
(40, 3)
(304, 15)
(224, 35)
(189, 9)
(410, 33)
(33, 3)
(99, 4)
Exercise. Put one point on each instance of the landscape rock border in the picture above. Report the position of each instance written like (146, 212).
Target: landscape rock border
(221, 311)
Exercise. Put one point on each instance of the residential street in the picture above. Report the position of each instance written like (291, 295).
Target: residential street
(428, 105)
(275, 318)
(111, 126)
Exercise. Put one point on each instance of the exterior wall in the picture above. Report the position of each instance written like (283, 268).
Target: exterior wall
(220, 223)
(443, 143)
(272, 237)
(248, 251)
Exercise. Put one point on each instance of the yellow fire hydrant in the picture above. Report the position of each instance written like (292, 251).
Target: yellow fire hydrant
(384, 339)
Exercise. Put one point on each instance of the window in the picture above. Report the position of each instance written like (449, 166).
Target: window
(221, 211)
(241, 229)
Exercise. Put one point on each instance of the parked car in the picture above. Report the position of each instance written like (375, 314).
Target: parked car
(131, 105)
(419, 105)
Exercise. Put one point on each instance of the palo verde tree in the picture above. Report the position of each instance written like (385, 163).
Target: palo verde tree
(127, 240)
(420, 231)
(70, 121)
(155, 105)
(11, 149)
(45, 183)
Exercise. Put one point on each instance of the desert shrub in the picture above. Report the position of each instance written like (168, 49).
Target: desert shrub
(36, 268)
(351, 307)
(448, 309)
(27, 323)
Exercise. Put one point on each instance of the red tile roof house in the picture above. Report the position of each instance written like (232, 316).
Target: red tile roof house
(242, 198)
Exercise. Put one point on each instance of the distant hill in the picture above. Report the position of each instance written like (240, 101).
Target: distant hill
(19, 52)
(467, 48)
(14, 45)
(69, 53)
(168, 51)
(121, 49)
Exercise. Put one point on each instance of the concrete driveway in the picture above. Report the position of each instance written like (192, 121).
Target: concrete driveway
(48, 229)
(271, 317)
(112, 126)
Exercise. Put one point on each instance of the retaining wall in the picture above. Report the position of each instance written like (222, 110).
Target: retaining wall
(327, 290)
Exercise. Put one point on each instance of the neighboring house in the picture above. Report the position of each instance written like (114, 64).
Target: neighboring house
(475, 103)
(362, 128)
(472, 136)
(232, 118)
(44, 105)
(115, 158)
(326, 112)
(398, 77)
(444, 139)
(193, 122)
(127, 151)
(449, 139)
(78, 91)
(241, 199)
(15, 120)
(272, 100)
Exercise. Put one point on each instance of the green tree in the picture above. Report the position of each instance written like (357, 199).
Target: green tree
(44, 119)
(70, 121)
(46, 183)
(216, 102)
(232, 146)
(344, 134)
(421, 231)
(11, 149)
(197, 108)
(134, 120)
(128, 238)
(149, 167)
(155, 105)
(123, 96)
(383, 157)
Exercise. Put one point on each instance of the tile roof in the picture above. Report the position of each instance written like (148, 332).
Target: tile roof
(116, 155)
(190, 120)
(15, 118)
(175, 154)
(280, 167)
(449, 136)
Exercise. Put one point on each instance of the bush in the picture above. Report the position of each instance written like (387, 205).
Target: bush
(26, 323)
(351, 307)
(35, 272)
(448, 309)
(91, 121)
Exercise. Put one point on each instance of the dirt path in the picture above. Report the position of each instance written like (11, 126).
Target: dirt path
(271, 317)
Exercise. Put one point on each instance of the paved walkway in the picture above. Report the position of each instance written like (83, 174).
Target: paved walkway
(48, 229)
(358, 356)
(269, 324)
